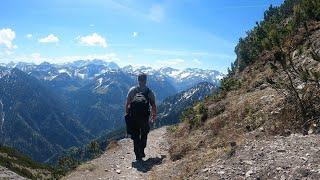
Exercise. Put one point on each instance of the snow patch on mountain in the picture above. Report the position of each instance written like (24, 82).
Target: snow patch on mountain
(64, 71)
(100, 80)
(188, 94)
(86, 71)
(2, 114)
(139, 69)
(79, 75)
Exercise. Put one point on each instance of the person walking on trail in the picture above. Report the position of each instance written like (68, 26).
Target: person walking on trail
(137, 116)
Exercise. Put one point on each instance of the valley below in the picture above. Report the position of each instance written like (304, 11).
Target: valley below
(48, 108)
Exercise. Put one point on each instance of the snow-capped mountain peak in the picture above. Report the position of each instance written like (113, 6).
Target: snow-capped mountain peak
(86, 70)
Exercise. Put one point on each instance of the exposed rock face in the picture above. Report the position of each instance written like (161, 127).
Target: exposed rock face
(170, 110)
(7, 174)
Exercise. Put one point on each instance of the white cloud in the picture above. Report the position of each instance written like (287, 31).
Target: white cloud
(134, 34)
(170, 62)
(29, 36)
(91, 25)
(156, 13)
(7, 35)
(49, 39)
(93, 40)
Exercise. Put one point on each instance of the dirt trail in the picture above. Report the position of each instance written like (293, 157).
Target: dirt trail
(274, 157)
(119, 161)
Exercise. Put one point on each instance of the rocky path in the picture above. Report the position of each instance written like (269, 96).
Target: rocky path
(119, 161)
(273, 157)
(277, 157)
(7, 174)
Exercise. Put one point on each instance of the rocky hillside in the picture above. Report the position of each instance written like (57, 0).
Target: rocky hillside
(271, 92)
(171, 109)
(7, 174)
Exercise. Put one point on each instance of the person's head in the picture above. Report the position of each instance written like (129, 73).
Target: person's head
(142, 79)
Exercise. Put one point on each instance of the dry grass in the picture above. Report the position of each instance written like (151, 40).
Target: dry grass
(241, 113)
(254, 107)
(87, 167)
(113, 145)
(200, 147)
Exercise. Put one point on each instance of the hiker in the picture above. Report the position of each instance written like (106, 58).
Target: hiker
(137, 109)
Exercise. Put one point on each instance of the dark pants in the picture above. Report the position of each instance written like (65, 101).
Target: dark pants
(139, 137)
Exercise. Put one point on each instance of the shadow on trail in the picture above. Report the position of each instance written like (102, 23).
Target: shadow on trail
(145, 166)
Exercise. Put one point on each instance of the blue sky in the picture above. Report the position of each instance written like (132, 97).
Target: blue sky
(180, 33)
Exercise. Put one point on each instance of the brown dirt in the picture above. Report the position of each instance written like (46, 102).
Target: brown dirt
(266, 157)
(118, 162)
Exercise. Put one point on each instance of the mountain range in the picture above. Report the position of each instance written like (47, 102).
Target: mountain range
(79, 73)
(48, 108)
(170, 110)
(35, 118)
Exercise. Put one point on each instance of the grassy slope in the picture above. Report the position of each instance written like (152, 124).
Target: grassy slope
(247, 104)
(24, 165)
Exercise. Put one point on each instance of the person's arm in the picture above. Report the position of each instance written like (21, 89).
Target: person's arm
(153, 107)
(127, 105)
(153, 112)
(128, 101)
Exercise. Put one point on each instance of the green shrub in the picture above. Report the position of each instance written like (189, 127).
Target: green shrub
(23, 165)
(278, 25)
(229, 83)
(172, 128)
(195, 116)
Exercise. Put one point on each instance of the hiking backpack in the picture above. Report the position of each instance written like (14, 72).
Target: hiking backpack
(139, 106)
